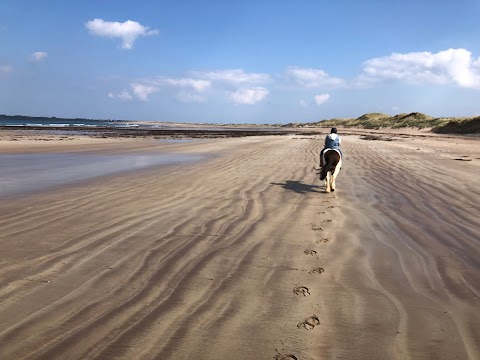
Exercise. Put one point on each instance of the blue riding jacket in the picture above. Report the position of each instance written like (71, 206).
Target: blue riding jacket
(332, 143)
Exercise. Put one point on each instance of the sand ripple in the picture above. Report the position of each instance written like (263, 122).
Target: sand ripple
(198, 261)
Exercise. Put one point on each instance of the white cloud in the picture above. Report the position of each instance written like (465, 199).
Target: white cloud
(38, 56)
(452, 66)
(395, 108)
(195, 84)
(476, 64)
(312, 77)
(235, 76)
(143, 91)
(128, 31)
(194, 87)
(123, 95)
(5, 69)
(322, 98)
(248, 96)
(191, 90)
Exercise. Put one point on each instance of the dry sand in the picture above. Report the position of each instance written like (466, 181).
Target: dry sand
(243, 255)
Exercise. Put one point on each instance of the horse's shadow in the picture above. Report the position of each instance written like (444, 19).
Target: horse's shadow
(298, 186)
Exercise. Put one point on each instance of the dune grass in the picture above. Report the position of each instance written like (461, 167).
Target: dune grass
(406, 120)
(468, 126)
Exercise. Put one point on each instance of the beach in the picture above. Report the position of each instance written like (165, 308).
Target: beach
(240, 254)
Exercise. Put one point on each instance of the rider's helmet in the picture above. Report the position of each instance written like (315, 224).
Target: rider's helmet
(333, 131)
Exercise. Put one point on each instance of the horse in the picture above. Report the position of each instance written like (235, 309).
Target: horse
(333, 163)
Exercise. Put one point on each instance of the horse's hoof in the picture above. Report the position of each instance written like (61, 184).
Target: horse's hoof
(333, 189)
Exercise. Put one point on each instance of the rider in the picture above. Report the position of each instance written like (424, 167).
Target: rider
(332, 141)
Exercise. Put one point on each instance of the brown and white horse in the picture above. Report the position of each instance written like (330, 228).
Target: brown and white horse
(333, 163)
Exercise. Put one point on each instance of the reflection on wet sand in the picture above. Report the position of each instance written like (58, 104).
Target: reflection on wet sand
(31, 172)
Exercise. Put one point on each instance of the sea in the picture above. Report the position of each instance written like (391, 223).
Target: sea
(71, 123)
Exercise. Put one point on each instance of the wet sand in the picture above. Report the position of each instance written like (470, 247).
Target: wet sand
(34, 172)
(243, 255)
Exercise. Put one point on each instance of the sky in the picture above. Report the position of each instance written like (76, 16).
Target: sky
(249, 61)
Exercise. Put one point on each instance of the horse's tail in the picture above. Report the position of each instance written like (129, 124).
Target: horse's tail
(331, 162)
(326, 168)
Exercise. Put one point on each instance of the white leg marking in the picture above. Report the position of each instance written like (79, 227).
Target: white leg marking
(328, 180)
(337, 170)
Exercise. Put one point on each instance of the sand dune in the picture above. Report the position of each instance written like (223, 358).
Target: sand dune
(243, 255)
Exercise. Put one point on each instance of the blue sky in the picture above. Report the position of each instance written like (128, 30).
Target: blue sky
(272, 61)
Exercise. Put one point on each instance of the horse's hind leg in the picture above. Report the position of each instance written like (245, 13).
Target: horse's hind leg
(328, 180)
(335, 173)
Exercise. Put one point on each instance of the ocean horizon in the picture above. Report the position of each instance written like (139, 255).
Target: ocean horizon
(74, 124)
(24, 121)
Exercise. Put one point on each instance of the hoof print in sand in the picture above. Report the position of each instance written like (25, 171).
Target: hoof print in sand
(316, 228)
(309, 323)
(285, 357)
(322, 241)
(317, 270)
(301, 290)
(327, 221)
(310, 252)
